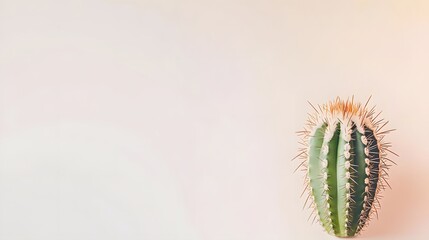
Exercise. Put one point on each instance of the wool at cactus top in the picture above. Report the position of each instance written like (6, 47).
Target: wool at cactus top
(345, 159)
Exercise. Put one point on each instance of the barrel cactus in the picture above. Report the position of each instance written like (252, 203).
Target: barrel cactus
(345, 159)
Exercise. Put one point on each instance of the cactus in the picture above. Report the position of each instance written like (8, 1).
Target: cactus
(345, 159)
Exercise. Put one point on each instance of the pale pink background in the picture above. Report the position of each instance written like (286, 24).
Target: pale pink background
(169, 119)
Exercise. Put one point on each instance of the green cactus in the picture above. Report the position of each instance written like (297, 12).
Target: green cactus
(345, 159)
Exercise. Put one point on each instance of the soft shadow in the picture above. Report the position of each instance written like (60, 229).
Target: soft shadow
(405, 206)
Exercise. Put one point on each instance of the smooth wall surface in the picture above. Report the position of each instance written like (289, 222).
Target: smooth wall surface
(168, 120)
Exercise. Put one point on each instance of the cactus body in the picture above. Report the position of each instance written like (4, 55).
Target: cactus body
(345, 160)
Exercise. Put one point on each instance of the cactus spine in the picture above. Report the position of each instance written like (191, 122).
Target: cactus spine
(345, 161)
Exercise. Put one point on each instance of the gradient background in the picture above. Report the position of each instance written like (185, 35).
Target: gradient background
(163, 119)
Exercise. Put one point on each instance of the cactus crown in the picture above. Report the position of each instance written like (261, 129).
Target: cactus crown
(345, 160)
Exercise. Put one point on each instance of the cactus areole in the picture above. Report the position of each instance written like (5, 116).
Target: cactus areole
(345, 159)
